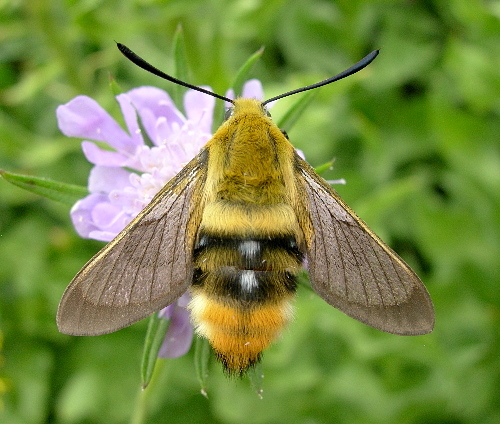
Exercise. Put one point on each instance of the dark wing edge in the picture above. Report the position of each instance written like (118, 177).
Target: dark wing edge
(353, 270)
(144, 268)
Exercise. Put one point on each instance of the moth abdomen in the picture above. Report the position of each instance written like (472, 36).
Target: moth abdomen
(239, 335)
(264, 254)
(242, 291)
(245, 289)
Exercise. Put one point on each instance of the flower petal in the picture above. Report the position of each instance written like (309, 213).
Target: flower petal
(98, 156)
(102, 235)
(83, 117)
(151, 104)
(301, 153)
(107, 216)
(95, 217)
(252, 89)
(104, 179)
(184, 300)
(81, 214)
(179, 334)
(167, 311)
(199, 108)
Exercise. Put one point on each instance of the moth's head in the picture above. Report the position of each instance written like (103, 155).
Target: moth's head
(242, 106)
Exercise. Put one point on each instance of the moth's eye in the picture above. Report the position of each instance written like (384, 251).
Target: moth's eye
(229, 112)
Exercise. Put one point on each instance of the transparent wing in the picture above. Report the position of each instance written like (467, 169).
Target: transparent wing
(145, 268)
(355, 271)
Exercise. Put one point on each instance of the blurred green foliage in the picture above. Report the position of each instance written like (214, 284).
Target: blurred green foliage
(415, 135)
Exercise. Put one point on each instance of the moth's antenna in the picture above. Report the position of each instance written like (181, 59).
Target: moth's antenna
(352, 70)
(139, 61)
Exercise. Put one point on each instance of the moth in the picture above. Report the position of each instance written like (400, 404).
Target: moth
(234, 228)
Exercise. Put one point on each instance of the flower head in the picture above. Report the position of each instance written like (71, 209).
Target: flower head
(126, 178)
(136, 164)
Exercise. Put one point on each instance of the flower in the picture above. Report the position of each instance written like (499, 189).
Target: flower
(137, 164)
(179, 335)
(117, 194)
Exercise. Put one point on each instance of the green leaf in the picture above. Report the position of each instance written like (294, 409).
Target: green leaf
(295, 112)
(325, 167)
(304, 282)
(238, 82)
(54, 190)
(114, 86)
(202, 355)
(144, 133)
(181, 70)
(157, 328)
(242, 74)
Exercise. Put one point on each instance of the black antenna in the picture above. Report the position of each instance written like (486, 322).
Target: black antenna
(139, 61)
(352, 70)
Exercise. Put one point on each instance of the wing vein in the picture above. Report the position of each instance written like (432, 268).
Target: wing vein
(386, 275)
(320, 234)
(356, 263)
(340, 254)
(143, 258)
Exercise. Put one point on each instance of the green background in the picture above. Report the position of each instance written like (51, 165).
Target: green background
(415, 135)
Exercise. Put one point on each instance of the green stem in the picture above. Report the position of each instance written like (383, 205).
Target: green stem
(143, 400)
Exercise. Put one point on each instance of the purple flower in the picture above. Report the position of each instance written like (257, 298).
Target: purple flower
(117, 194)
(179, 335)
(135, 165)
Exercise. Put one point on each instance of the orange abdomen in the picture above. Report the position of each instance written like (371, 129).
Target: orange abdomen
(242, 292)
(239, 336)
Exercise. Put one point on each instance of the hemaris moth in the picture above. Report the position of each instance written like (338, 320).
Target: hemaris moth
(233, 228)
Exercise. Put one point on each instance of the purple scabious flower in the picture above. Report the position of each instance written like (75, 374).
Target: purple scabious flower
(125, 179)
(131, 166)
